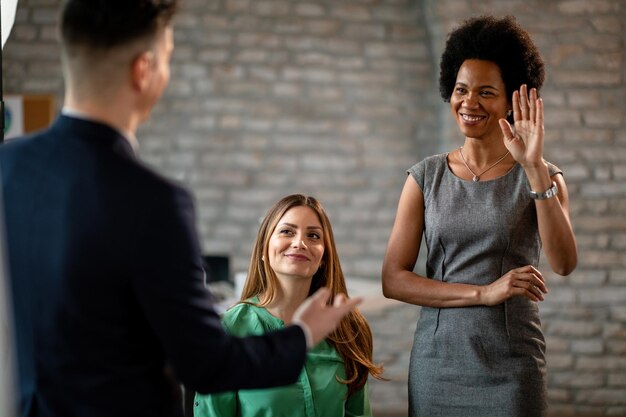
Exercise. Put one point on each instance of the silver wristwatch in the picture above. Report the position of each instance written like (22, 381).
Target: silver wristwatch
(549, 193)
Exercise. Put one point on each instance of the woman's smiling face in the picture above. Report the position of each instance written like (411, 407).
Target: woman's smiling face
(296, 246)
(479, 99)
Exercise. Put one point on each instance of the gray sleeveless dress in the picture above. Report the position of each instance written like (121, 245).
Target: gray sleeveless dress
(477, 361)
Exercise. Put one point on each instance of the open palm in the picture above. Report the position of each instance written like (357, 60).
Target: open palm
(525, 139)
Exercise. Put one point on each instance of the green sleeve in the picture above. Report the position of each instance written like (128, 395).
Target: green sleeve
(358, 405)
(223, 404)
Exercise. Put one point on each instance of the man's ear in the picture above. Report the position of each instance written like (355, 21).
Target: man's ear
(141, 70)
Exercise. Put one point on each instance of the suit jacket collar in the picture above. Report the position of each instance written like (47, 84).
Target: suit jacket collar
(94, 132)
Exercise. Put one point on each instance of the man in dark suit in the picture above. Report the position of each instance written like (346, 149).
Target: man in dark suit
(105, 265)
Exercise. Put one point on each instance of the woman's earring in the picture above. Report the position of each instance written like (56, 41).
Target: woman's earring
(509, 113)
(263, 258)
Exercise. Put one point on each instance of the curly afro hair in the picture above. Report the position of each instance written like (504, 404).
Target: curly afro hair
(501, 41)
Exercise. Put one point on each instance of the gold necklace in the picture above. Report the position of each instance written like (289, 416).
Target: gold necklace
(476, 177)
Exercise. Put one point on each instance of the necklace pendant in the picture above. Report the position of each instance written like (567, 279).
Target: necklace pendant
(475, 178)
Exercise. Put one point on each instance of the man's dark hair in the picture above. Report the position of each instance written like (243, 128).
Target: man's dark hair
(105, 24)
(501, 41)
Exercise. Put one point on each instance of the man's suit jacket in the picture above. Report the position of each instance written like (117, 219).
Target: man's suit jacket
(108, 286)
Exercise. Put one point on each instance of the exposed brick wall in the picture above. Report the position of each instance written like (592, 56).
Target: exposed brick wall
(275, 97)
(337, 98)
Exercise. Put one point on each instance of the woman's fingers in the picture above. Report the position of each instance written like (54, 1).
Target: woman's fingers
(539, 118)
(527, 105)
(529, 283)
(524, 104)
(517, 112)
(532, 102)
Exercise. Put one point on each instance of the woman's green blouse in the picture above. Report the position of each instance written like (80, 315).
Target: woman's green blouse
(316, 394)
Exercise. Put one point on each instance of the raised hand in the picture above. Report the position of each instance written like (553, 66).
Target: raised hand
(526, 281)
(525, 139)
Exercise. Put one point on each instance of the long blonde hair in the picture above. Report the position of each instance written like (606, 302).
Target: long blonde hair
(353, 337)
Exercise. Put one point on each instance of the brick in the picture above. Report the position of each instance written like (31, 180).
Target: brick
(609, 189)
(556, 395)
(191, 71)
(574, 328)
(216, 22)
(287, 90)
(616, 347)
(44, 15)
(323, 27)
(602, 396)
(344, 47)
(271, 7)
(588, 347)
(575, 380)
(42, 86)
(615, 331)
(251, 56)
(567, 55)
(236, 6)
(609, 61)
(617, 379)
(603, 42)
(309, 10)
(258, 124)
(350, 11)
(405, 32)
(617, 277)
(313, 58)
(213, 56)
(242, 88)
(557, 345)
(589, 278)
(388, 13)
(24, 33)
(30, 51)
(575, 7)
(605, 118)
(44, 70)
(601, 363)
(603, 295)
(588, 78)
(562, 118)
(562, 295)
(310, 75)
(363, 31)
(584, 98)
(588, 135)
(560, 361)
(258, 40)
(608, 24)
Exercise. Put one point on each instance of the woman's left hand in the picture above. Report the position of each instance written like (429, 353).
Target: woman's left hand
(525, 139)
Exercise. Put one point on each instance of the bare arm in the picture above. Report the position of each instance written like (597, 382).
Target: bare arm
(401, 283)
(526, 146)
(555, 229)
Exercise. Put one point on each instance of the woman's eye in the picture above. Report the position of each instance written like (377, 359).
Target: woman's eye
(314, 236)
(285, 232)
(459, 90)
(486, 93)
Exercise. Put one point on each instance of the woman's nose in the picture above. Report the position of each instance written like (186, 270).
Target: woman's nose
(298, 242)
(471, 100)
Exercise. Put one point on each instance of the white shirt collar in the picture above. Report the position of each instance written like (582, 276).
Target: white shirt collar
(77, 114)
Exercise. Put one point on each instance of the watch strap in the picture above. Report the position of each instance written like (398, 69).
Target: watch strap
(549, 193)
